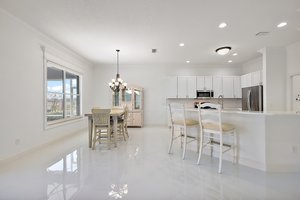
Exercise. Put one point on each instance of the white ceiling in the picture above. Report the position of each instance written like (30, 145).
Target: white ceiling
(95, 28)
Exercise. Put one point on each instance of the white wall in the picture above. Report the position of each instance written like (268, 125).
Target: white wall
(153, 78)
(274, 78)
(21, 85)
(252, 65)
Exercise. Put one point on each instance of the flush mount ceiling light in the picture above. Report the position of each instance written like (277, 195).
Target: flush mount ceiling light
(282, 24)
(181, 44)
(229, 61)
(223, 50)
(187, 61)
(222, 25)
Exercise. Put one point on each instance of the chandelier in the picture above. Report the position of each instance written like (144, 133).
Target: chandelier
(117, 84)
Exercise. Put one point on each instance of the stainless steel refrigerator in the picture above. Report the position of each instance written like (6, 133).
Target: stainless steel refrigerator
(252, 98)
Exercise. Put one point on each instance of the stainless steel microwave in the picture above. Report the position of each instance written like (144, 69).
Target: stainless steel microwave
(205, 93)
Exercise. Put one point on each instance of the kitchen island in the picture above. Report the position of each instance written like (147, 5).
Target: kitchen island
(268, 141)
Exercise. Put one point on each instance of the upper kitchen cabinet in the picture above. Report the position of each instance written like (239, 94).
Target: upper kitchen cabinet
(237, 89)
(204, 83)
(246, 80)
(217, 86)
(256, 78)
(251, 79)
(186, 86)
(228, 88)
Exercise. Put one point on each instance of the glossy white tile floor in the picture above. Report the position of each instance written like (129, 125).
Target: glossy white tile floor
(139, 168)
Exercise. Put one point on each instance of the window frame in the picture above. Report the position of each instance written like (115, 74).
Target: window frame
(62, 66)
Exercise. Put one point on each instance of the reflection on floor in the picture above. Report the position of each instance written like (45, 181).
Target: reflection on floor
(139, 168)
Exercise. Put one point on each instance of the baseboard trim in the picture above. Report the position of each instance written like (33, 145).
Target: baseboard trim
(19, 155)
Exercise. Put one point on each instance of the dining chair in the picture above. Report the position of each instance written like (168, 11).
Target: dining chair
(213, 131)
(101, 126)
(122, 121)
(179, 122)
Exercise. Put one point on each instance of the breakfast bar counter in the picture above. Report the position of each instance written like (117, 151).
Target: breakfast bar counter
(269, 141)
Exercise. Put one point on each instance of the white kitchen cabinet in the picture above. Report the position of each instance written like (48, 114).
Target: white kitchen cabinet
(256, 78)
(204, 83)
(228, 88)
(200, 83)
(186, 86)
(246, 80)
(237, 89)
(171, 87)
(251, 79)
(208, 82)
(217, 86)
(191, 86)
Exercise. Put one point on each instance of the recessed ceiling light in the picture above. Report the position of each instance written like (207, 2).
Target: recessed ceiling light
(234, 54)
(181, 44)
(222, 25)
(230, 61)
(282, 24)
(187, 61)
(223, 50)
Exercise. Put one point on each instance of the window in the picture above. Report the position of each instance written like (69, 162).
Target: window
(63, 94)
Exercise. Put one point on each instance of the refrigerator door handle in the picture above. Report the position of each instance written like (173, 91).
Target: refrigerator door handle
(248, 99)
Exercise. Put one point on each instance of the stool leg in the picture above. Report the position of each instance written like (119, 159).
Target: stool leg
(221, 154)
(200, 148)
(184, 143)
(234, 147)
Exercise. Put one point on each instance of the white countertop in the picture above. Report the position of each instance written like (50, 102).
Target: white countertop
(239, 111)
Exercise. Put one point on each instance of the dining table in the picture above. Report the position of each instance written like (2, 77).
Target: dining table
(115, 114)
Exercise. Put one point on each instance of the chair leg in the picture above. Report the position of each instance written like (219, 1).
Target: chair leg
(234, 149)
(123, 131)
(211, 147)
(200, 148)
(181, 136)
(221, 154)
(94, 137)
(184, 143)
(126, 130)
(109, 137)
(172, 136)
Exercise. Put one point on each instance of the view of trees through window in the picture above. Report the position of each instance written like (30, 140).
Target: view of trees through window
(63, 95)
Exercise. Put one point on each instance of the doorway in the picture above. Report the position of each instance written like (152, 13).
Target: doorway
(296, 93)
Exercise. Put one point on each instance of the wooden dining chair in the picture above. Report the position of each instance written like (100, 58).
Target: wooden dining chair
(101, 126)
(122, 122)
(213, 131)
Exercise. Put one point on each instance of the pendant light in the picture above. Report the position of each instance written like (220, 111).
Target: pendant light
(117, 84)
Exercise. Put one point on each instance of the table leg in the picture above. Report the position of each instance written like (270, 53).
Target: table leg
(115, 118)
(90, 127)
